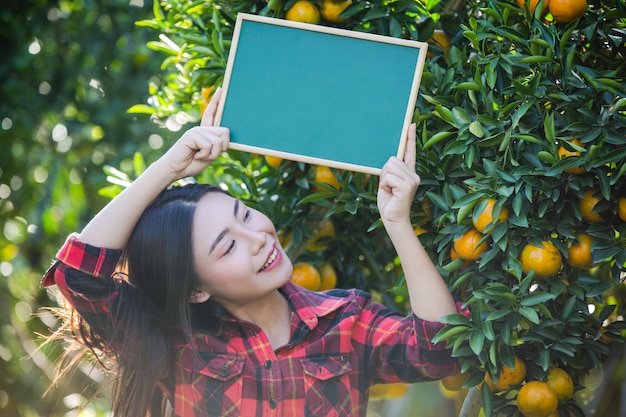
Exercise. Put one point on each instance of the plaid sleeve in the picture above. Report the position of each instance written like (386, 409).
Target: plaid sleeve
(82, 272)
(401, 347)
(426, 331)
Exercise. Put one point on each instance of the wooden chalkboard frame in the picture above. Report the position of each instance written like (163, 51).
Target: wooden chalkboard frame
(351, 111)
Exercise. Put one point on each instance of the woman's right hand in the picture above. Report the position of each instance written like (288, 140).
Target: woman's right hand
(197, 147)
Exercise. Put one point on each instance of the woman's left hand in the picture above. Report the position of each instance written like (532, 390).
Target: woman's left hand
(398, 184)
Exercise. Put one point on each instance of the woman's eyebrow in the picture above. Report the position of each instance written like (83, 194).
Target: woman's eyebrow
(223, 232)
(236, 208)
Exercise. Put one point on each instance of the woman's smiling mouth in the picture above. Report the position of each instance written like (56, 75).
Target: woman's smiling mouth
(273, 256)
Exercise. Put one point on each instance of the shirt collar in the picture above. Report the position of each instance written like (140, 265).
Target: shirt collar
(309, 305)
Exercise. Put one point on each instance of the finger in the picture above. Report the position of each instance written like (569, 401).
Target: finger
(208, 118)
(203, 151)
(223, 134)
(202, 141)
(410, 152)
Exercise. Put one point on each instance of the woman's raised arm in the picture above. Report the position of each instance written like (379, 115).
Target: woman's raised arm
(194, 151)
(429, 294)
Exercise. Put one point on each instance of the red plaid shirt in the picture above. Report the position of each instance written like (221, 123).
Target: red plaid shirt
(341, 343)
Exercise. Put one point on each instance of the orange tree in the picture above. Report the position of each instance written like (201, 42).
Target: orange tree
(522, 133)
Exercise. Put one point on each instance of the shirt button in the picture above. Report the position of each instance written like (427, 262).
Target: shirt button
(273, 403)
(268, 364)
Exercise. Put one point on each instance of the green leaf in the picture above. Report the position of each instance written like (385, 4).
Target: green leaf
(476, 341)
(487, 401)
(456, 319)
(460, 116)
(488, 330)
(373, 13)
(449, 332)
(536, 298)
(535, 59)
(468, 85)
(436, 138)
(445, 114)
(544, 358)
(476, 128)
(530, 314)
(498, 314)
(141, 109)
(438, 201)
(395, 29)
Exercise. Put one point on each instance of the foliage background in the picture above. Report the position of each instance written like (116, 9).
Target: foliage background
(490, 107)
(69, 71)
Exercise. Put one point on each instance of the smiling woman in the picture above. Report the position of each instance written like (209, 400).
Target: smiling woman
(188, 290)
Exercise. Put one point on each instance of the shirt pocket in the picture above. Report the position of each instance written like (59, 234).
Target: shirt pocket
(217, 385)
(327, 382)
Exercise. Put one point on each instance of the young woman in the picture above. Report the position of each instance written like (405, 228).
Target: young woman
(203, 319)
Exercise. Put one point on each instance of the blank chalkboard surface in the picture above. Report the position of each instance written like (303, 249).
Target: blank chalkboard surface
(320, 95)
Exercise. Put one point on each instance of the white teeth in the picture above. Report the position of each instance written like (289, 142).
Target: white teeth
(271, 259)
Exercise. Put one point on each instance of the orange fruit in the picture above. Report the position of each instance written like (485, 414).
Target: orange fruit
(207, 93)
(331, 9)
(537, 399)
(454, 256)
(303, 11)
(273, 161)
(561, 383)
(328, 277)
(564, 11)
(621, 208)
(440, 40)
(532, 4)
(466, 246)
(579, 253)
(545, 261)
(322, 238)
(587, 203)
(508, 377)
(563, 152)
(306, 275)
(325, 174)
(419, 230)
(483, 216)
(454, 382)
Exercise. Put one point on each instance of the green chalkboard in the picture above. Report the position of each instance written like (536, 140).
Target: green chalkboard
(320, 95)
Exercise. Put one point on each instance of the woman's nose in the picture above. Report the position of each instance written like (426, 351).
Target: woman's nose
(256, 238)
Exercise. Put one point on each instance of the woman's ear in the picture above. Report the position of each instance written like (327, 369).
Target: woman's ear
(199, 296)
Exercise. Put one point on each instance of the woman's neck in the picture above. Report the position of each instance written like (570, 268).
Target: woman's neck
(271, 313)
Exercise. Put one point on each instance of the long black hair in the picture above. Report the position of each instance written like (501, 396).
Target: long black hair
(153, 314)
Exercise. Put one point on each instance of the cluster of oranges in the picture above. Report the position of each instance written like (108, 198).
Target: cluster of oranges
(542, 398)
(543, 258)
(321, 173)
(307, 275)
(534, 398)
(473, 243)
(563, 11)
(306, 12)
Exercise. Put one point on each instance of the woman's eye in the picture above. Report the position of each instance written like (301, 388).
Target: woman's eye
(247, 215)
(231, 246)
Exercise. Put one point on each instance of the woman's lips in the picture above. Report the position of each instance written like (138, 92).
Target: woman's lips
(272, 260)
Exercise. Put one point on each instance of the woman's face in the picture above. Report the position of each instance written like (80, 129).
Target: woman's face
(236, 250)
